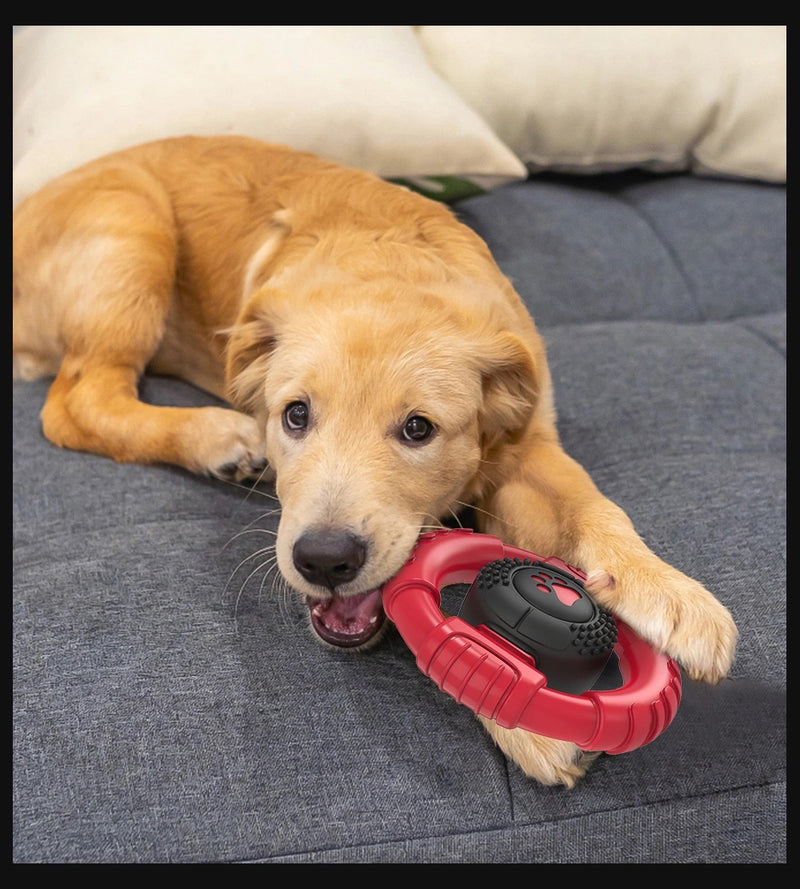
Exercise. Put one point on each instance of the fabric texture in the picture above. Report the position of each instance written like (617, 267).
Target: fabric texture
(430, 104)
(171, 705)
(594, 98)
(360, 95)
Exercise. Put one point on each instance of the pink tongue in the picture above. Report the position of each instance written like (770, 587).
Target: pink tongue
(347, 621)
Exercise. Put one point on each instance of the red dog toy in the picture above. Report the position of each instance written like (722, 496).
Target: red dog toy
(529, 644)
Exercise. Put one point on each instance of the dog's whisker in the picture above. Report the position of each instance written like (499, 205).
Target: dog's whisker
(264, 515)
(251, 490)
(455, 516)
(484, 512)
(434, 523)
(244, 531)
(252, 487)
(253, 573)
(270, 512)
(258, 553)
(248, 528)
(272, 562)
(438, 527)
(255, 555)
(286, 597)
(267, 566)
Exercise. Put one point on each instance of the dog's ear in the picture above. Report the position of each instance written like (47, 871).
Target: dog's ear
(510, 388)
(250, 343)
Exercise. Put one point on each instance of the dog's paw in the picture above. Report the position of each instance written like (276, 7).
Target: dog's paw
(674, 613)
(227, 444)
(546, 760)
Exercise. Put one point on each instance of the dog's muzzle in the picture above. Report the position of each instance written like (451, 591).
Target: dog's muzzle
(329, 558)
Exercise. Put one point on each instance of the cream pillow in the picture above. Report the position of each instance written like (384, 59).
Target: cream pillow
(589, 98)
(361, 95)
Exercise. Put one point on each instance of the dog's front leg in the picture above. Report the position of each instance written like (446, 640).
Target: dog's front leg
(96, 408)
(548, 504)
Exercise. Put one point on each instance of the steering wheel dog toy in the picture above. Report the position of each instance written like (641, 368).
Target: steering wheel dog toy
(529, 647)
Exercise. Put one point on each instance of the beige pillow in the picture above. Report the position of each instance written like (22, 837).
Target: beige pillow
(590, 98)
(361, 95)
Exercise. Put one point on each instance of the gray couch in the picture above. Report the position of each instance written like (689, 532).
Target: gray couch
(170, 704)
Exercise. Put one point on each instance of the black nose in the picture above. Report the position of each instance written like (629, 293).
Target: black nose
(329, 558)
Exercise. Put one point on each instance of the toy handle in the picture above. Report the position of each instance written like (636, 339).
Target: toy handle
(496, 680)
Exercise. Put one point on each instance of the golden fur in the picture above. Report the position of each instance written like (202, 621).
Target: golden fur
(370, 349)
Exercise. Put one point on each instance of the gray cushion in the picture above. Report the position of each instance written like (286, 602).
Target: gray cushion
(170, 704)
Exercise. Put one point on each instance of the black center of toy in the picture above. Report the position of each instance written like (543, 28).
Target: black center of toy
(547, 613)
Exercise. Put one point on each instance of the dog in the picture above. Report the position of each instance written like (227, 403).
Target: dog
(376, 360)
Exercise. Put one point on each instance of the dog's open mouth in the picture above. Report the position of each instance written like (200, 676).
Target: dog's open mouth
(347, 621)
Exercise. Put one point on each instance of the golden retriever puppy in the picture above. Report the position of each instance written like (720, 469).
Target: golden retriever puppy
(373, 354)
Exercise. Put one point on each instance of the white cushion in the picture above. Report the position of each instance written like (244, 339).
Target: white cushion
(361, 95)
(592, 98)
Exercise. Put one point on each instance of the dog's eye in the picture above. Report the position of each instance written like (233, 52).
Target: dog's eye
(295, 417)
(417, 430)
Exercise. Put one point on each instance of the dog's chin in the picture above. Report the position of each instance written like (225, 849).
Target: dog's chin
(354, 622)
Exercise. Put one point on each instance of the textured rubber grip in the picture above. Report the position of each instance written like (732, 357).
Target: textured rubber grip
(546, 611)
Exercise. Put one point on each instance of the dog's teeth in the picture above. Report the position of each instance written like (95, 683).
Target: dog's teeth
(316, 610)
(372, 620)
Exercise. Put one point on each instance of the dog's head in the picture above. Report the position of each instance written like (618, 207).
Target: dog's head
(381, 408)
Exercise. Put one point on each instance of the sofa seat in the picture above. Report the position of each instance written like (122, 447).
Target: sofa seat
(171, 705)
